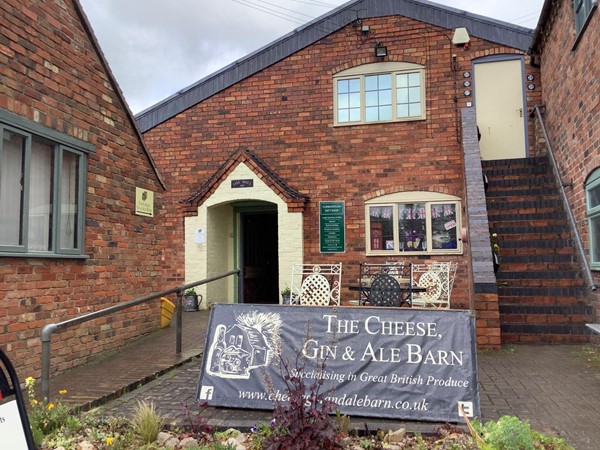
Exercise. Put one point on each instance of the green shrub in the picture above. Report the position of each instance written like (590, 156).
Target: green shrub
(511, 433)
(46, 417)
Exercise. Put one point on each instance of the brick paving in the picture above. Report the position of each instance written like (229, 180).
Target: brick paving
(552, 386)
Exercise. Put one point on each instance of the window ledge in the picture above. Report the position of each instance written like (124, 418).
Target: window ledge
(42, 255)
(380, 122)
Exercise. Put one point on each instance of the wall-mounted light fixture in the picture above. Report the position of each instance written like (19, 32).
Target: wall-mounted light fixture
(380, 50)
(461, 36)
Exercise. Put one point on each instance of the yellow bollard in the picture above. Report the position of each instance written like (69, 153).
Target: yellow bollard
(166, 311)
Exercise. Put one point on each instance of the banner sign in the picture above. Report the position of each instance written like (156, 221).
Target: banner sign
(398, 363)
(332, 225)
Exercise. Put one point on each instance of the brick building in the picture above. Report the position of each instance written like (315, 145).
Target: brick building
(371, 105)
(72, 240)
(565, 46)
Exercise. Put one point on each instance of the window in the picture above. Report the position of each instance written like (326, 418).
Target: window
(379, 92)
(582, 10)
(42, 189)
(592, 188)
(413, 223)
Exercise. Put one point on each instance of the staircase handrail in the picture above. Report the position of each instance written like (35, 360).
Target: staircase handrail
(565, 199)
(50, 328)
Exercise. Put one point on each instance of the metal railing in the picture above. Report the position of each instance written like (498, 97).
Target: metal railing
(179, 290)
(565, 199)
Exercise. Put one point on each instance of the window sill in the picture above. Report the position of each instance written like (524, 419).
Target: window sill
(42, 255)
(380, 122)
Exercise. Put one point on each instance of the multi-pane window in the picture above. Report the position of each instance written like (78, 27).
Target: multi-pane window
(582, 9)
(592, 188)
(413, 222)
(41, 191)
(380, 92)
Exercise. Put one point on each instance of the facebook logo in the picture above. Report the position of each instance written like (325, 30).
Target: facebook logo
(206, 392)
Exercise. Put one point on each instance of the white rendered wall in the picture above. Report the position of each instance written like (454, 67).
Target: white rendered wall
(216, 254)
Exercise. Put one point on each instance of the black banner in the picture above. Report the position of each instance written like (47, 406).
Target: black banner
(397, 363)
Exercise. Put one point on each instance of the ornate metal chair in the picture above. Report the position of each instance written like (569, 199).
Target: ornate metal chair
(385, 291)
(386, 284)
(437, 278)
(316, 284)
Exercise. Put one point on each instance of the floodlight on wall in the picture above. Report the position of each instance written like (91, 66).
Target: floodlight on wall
(461, 36)
(380, 50)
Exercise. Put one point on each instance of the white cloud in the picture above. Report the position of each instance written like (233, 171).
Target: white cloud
(156, 47)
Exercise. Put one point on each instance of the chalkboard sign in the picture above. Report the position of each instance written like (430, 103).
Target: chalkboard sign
(15, 433)
(332, 227)
(398, 363)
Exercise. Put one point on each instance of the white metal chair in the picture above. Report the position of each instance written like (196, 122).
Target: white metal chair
(316, 284)
(437, 278)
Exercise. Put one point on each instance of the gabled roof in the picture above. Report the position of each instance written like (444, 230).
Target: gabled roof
(113, 81)
(295, 199)
(425, 11)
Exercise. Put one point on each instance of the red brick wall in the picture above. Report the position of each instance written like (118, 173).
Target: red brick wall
(285, 115)
(51, 74)
(570, 75)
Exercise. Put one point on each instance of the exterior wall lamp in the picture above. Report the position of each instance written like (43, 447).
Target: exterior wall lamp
(380, 50)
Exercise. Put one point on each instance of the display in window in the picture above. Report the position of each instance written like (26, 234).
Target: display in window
(381, 227)
(444, 229)
(412, 222)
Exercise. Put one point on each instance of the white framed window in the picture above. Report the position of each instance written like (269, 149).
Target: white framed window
(582, 10)
(410, 223)
(379, 92)
(42, 190)
(592, 189)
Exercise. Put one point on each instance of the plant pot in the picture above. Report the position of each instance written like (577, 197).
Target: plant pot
(285, 299)
(190, 303)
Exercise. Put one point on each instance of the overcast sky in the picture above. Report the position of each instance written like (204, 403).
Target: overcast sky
(157, 47)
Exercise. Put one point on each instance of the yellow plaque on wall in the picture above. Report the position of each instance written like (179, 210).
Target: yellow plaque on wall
(144, 202)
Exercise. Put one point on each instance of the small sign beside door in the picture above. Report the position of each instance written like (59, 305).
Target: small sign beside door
(332, 226)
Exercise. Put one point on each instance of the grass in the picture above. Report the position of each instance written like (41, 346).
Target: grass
(590, 352)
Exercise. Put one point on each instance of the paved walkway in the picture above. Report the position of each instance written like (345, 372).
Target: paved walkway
(554, 387)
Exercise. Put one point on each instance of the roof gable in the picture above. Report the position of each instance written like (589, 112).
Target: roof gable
(291, 196)
(96, 45)
(425, 11)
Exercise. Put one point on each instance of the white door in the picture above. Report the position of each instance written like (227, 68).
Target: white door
(501, 112)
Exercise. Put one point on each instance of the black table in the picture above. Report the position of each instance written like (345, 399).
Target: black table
(404, 296)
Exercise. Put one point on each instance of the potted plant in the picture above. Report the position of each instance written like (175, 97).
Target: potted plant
(285, 295)
(190, 300)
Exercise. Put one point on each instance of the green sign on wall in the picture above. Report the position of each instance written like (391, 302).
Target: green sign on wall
(332, 227)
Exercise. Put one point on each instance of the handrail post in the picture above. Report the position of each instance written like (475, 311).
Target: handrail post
(46, 340)
(565, 200)
(179, 322)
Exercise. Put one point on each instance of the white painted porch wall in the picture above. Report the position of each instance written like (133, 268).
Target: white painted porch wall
(215, 256)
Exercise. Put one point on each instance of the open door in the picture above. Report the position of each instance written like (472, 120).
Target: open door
(501, 108)
(259, 256)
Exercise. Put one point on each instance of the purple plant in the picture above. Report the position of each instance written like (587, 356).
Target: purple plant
(304, 422)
